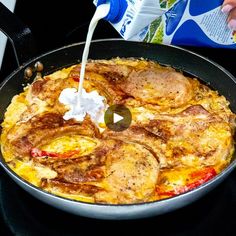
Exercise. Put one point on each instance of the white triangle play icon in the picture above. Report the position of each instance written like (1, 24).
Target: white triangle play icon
(117, 118)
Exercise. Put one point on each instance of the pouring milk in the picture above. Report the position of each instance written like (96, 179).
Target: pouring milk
(80, 102)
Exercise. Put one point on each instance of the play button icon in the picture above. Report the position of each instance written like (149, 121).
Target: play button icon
(118, 118)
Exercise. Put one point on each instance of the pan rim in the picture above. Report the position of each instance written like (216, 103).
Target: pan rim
(24, 65)
(227, 170)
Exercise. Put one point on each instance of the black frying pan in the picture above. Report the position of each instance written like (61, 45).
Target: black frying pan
(189, 62)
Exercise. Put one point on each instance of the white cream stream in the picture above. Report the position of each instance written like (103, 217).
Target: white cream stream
(81, 103)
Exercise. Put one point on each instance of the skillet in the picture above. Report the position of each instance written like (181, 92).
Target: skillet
(191, 63)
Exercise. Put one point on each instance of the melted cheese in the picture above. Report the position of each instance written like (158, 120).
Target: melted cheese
(216, 137)
(73, 142)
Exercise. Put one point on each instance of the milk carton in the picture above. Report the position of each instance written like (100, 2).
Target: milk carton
(136, 14)
(177, 22)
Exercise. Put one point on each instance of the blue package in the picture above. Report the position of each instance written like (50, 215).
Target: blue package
(191, 23)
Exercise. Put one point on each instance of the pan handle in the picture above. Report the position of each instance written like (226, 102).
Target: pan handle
(19, 35)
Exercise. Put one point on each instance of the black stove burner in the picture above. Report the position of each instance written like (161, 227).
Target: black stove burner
(214, 214)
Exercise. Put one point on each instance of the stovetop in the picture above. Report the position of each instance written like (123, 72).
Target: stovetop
(58, 24)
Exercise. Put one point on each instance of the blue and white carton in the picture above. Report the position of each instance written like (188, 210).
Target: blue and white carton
(177, 22)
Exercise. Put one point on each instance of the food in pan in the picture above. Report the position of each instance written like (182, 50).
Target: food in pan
(181, 134)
